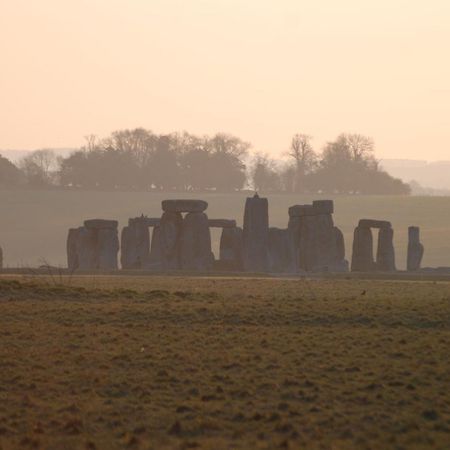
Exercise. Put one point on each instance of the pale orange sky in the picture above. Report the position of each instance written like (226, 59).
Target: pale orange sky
(262, 70)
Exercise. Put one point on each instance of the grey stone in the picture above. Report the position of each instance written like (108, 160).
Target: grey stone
(362, 256)
(316, 245)
(231, 248)
(323, 206)
(71, 246)
(155, 259)
(221, 223)
(385, 251)
(302, 210)
(170, 236)
(87, 249)
(107, 248)
(182, 206)
(135, 244)
(415, 250)
(370, 223)
(340, 244)
(149, 222)
(98, 224)
(195, 245)
(126, 247)
(256, 234)
(280, 255)
(1, 258)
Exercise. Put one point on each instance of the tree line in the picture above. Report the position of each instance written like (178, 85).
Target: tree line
(142, 160)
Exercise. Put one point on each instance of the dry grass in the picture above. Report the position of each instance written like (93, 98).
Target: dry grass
(116, 362)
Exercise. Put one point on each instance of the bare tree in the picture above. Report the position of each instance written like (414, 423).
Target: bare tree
(304, 157)
(39, 167)
(361, 147)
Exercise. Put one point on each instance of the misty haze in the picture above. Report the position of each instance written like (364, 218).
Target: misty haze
(224, 224)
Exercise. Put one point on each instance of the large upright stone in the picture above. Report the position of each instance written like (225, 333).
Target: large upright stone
(256, 234)
(1, 258)
(340, 244)
(72, 252)
(87, 249)
(195, 245)
(107, 248)
(385, 250)
(155, 259)
(280, 256)
(316, 244)
(362, 257)
(231, 248)
(170, 237)
(415, 250)
(184, 206)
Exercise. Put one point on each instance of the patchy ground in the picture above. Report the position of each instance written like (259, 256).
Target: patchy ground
(134, 362)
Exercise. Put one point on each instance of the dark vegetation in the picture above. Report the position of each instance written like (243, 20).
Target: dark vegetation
(181, 162)
(154, 362)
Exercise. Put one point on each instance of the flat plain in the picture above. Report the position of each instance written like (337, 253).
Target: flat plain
(34, 224)
(112, 362)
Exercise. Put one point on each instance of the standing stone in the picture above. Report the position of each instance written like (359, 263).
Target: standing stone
(385, 251)
(280, 256)
(339, 243)
(170, 236)
(72, 253)
(195, 243)
(155, 258)
(231, 248)
(1, 258)
(307, 260)
(107, 248)
(256, 234)
(126, 248)
(415, 250)
(87, 249)
(362, 257)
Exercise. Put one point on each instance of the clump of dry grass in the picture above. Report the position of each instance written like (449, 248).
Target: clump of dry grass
(224, 363)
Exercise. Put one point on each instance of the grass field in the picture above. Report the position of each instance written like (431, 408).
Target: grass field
(33, 225)
(154, 362)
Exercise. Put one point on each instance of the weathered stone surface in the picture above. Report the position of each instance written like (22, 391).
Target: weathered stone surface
(370, 223)
(280, 255)
(149, 222)
(135, 244)
(231, 248)
(323, 206)
(195, 243)
(107, 248)
(87, 249)
(98, 224)
(302, 210)
(415, 250)
(256, 234)
(221, 223)
(362, 257)
(316, 245)
(182, 206)
(340, 244)
(1, 258)
(170, 236)
(385, 251)
(71, 246)
(155, 259)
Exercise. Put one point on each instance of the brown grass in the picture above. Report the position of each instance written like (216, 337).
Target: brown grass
(117, 362)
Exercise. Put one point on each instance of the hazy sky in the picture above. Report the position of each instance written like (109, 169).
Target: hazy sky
(260, 69)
